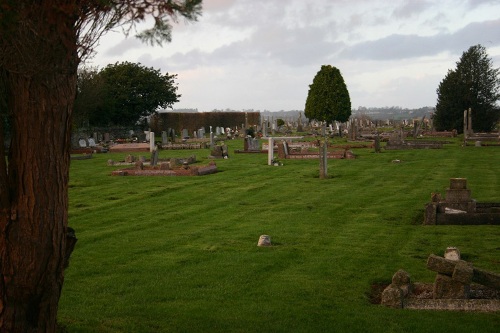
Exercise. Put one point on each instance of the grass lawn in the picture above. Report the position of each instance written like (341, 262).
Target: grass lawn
(179, 254)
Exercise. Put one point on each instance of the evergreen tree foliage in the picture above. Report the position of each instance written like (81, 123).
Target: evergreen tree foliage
(473, 84)
(328, 98)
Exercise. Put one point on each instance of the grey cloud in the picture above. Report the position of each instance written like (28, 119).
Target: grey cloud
(292, 47)
(125, 45)
(410, 8)
(411, 46)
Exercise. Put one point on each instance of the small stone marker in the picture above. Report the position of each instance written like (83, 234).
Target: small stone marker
(264, 240)
(452, 253)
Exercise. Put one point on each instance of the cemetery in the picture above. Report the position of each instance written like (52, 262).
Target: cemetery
(253, 242)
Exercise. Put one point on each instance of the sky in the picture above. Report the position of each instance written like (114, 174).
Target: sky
(263, 54)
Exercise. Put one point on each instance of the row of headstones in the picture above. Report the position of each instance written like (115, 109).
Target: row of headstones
(84, 141)
(200, 133)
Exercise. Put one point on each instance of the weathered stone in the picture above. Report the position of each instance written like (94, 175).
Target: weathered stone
(401, 278)
(447, 267)
(486, 278)
(139, 165)
(431, 213)
(264, 240)
(441, 265)
(436, 197)
(130, 159)
(446, 287)
(452, 253)
(393, 297)
(463, 272)
(164, 166)
(458, 183)
(458, 195)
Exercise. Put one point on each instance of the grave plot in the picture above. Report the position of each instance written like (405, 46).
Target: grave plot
(459, 208)
(398, 141)
(155, 167)
(459, 286)
(286, 151)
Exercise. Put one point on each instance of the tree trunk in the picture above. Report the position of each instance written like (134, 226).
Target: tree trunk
(38, 66)
(34, 226)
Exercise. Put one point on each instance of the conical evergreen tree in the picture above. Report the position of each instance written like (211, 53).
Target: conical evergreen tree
(328, 98)
(474, 84)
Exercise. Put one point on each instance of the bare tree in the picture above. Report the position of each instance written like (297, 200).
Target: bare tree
(41, 46)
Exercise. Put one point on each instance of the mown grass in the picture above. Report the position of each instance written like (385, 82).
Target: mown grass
(179, 254)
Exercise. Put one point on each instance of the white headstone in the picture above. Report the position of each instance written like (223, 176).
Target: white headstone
(152, 146)
(452, 253)
(264, 240)
(82, 143)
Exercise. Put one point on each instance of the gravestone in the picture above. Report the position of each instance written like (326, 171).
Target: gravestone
(154, 157)
(377, 143)
(394, 295)
(152, 146)
(164, 138)
(130, 159)
(225, 151)
(185, 134)
(92, 142)
(264, 240)
(82, 143)
(171, 134)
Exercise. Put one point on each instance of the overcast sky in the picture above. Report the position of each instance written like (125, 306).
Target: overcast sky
(264, 54)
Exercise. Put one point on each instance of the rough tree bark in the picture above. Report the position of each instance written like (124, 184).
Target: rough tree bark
(39, 78)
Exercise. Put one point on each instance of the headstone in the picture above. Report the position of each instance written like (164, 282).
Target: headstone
(171, 134)
(106, 137)
(225, 153)
(185, 134)
(264, 240)
(164, 138)
(92, 142)
(395, 294)
(152, 146)
(452, 253)
(130, 159)
(377, 143)
(154, 157)
(139, 165)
